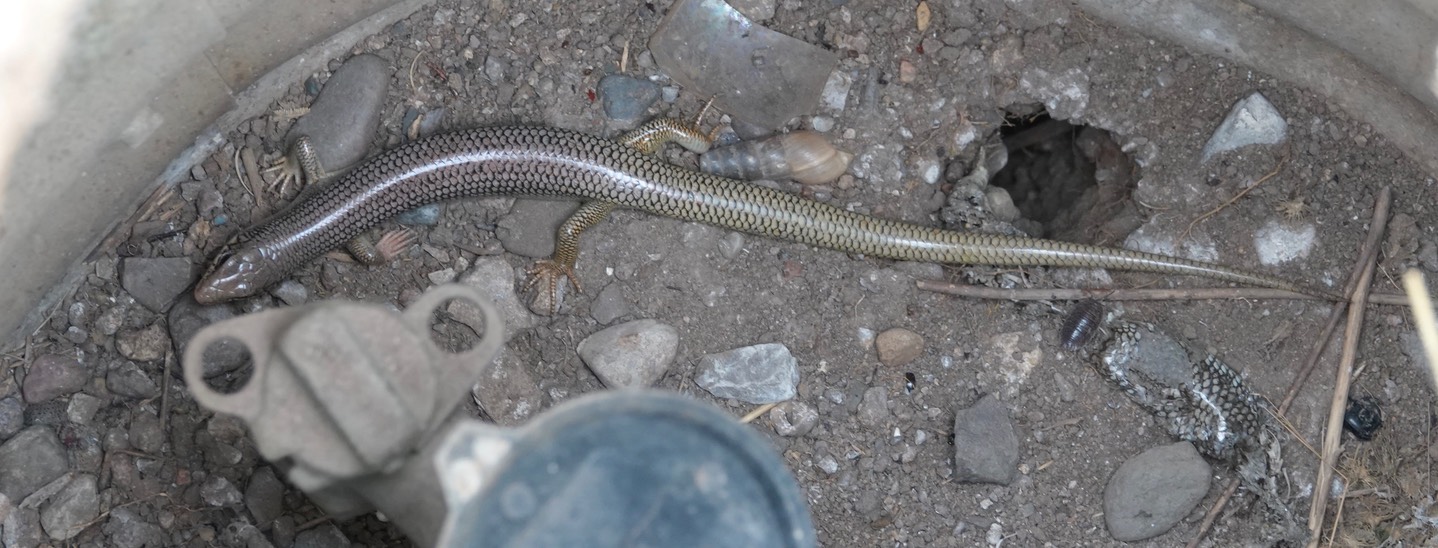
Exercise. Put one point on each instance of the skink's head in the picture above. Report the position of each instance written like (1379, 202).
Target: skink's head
(236, 272)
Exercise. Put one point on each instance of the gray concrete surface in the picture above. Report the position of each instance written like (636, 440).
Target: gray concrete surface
(1252, 37)
(141, 84)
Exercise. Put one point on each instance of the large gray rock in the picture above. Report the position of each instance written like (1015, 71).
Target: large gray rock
(763, 373)
(1152, 491)
(986, 446)
(342, 120)
(29, 460)
(633, 354)
(69, 510)
(54, 375)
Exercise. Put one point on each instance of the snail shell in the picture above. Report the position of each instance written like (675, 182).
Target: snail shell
(804, 156)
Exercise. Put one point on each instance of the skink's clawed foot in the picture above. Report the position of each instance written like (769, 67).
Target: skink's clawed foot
(545, 275)
(394, 243)
(288, 173)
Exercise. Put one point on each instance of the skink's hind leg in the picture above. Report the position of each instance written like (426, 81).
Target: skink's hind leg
(649, 137)
(300, 164)
(389, 246)
(546, 273)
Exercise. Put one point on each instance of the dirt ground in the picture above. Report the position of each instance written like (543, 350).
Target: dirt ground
(976, 63)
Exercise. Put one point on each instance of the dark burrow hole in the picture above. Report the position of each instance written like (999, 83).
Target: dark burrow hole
(1069, 182)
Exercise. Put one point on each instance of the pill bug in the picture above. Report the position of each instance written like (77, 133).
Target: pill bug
(1081, 324)
(804, 156)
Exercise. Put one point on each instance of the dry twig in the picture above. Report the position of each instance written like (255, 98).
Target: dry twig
(1333, 432)
(1193, 293)
(1235, 198)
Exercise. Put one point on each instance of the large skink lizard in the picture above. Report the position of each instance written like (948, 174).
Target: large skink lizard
(558, 163)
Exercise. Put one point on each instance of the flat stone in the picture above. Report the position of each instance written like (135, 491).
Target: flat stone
(126, 379)
(627, 98)
(530, 226)
(264, 496)
(143, 345)
(187, 318)
(219, 492)
(324, 536)
(343, 118)
(1153, 491)
(633, 354)
(1278, 242)
(155, 281)
(986, 446)
(1251, 121)
(54, 375)
(74, 506)
(611, 304)
(12, 416)
(23, 529)
(494, 279)
(899, 346)
(508, 393)
(145, 433)
(763, 373)
(874, 406)
(127, 529)
(29, 460)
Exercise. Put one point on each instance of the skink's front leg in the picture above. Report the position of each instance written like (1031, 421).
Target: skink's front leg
(648, 138)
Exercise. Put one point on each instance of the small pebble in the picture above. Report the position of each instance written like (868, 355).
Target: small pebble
(793, 418)
(129, 381)
(219, 492)
(143, 345)
(291, 293)
(899, 346)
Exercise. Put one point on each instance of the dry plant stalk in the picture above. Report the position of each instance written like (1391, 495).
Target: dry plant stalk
(1423, 318)
(1333, 432)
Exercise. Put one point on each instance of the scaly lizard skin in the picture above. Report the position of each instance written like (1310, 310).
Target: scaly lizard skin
(556, 163)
